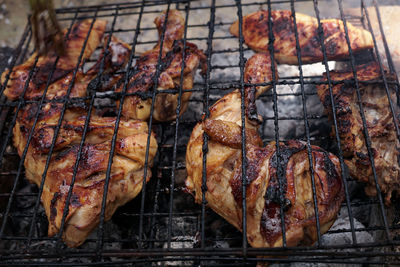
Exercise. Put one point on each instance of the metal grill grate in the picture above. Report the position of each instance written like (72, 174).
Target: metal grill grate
(163, 225)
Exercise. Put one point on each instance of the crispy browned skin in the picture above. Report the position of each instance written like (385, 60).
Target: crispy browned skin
(381, 129)
(127, 170)
(117, 56)
(227, 133)
(65, 65)
(145, 70)
(256, 36)
(224, 177)
(126, 176)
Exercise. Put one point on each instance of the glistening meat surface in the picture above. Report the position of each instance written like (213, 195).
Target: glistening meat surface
(256, 35)
(380, 126)
(263, 169)
(128, 168)
(144, 74)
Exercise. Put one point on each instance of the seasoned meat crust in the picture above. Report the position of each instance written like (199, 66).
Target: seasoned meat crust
(126, 176)
(143, 77)
(65, 65)
(263, 198)
(380, 125)
(127, 170)
(256, 36)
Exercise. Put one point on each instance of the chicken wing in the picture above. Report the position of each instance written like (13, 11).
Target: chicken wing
(256, 36)
(380, 125)
(263, 198)
(129, 159)
(143, 77)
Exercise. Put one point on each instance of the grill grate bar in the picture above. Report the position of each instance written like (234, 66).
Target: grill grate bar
(58, 125)
(48, 159)
(153, 98)
(243, 131)
(374, 228)
(176, 189)
(195, 213)
(178, 111)
(124, 5)
(169, 165)
(105, 189)
(382, 70)
(154, 214)
(306, 123)
(17, 54)
(206, 113)
(362, 114)
(238, 251)
(15, 57)
(79, 153)
(20, 104)
(298, 253)
(232, 261)
(357, 86)
(100, 232)
(330, 84)
(213, 86)
(271, 50)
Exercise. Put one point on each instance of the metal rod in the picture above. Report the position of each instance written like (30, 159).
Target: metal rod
(206, 113)
(205, 92)
(243, 132)
(276, 124)
(178, 111)
(82, 142)
(153, 98)
(21, 163)
(334, 117)
(41, 186)
(306, 125)
(114, 138)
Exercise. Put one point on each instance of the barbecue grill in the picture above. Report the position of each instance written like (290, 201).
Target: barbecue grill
(163, 226)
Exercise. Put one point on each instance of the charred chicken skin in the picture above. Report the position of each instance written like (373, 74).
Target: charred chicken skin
(143, 77)
(126, 176)
(256, 36)
(65, 65)
(63, 72)
(263, 197)
(128, 167)
(380, 125)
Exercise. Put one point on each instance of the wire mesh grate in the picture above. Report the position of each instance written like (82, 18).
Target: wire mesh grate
(163, 225)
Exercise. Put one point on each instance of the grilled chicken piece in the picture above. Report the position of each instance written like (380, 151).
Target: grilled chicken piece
(256, 36)
(126, 176)
(143, 77)
(380, 125)
(127, 170)
(116, 58)
(263, 198)
(65, 65)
